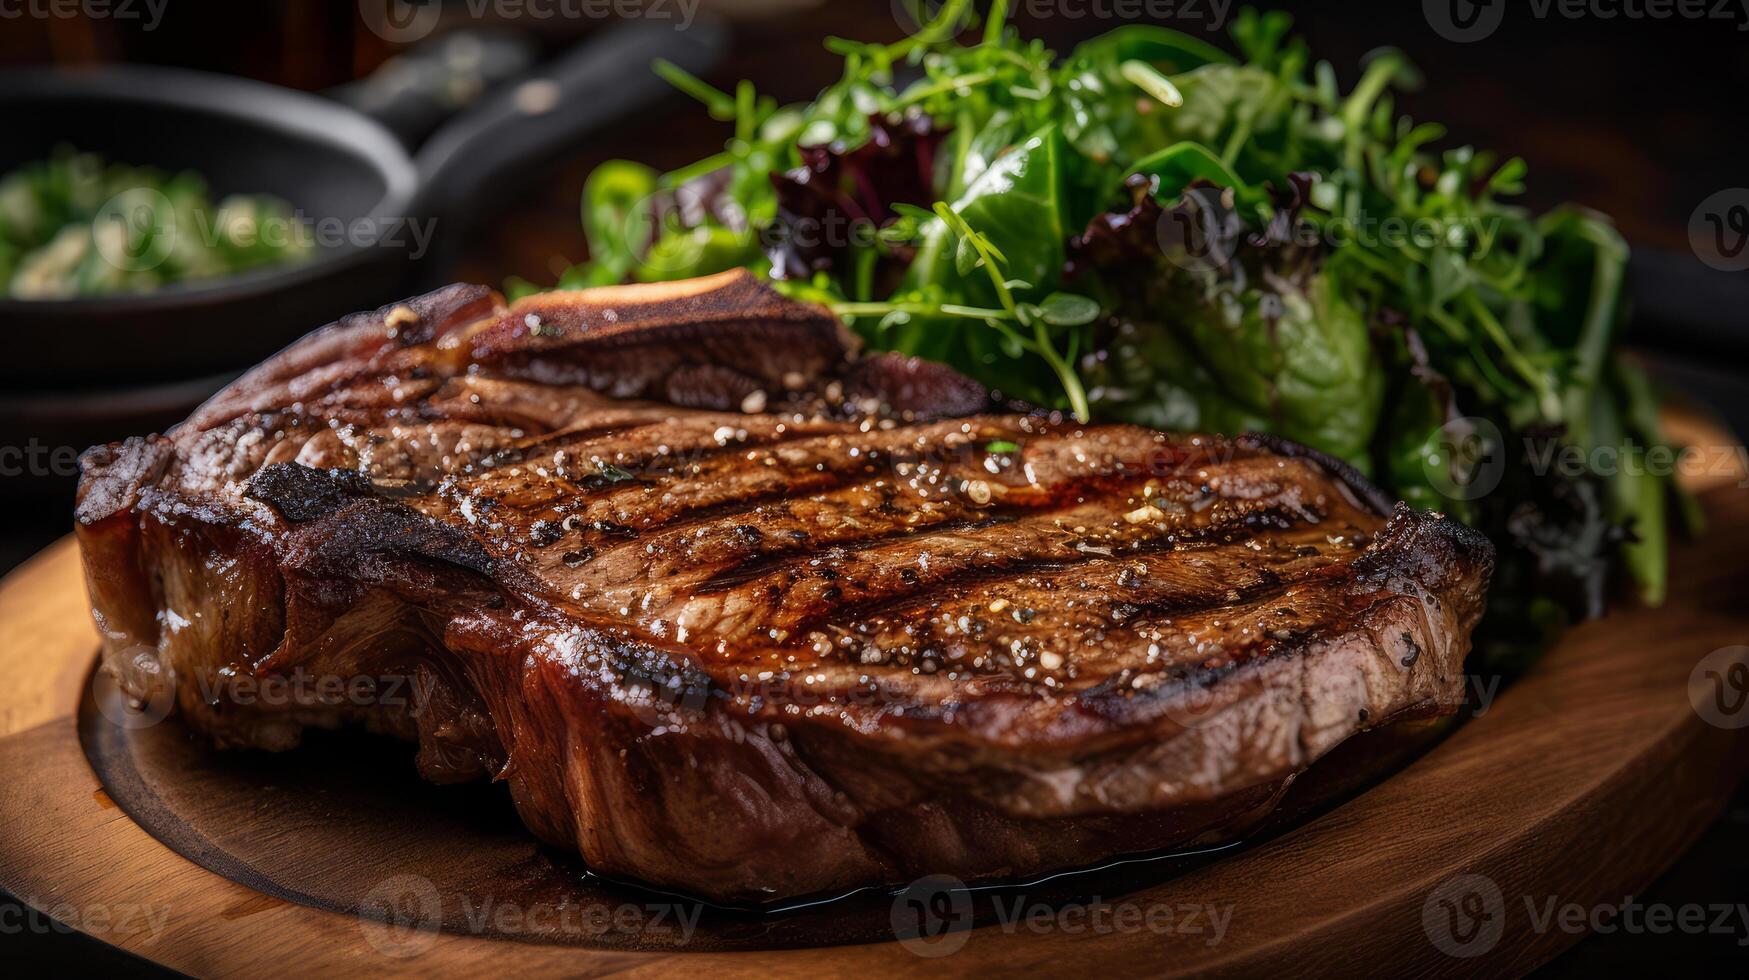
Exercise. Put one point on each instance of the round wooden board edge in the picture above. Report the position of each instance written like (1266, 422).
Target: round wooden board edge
(1613, 775)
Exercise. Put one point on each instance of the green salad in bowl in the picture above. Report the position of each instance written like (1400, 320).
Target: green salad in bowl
(75, 225)
(1153, 229)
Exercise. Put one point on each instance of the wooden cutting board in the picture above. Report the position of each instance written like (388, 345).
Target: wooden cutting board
(1579, 782)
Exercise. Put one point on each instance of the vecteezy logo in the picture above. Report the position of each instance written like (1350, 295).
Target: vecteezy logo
(1202, 233)
(1195, 705)
(664, 696)
(913, 16)
(399, 21)
(1464, 21)
(1719, 687)
(135, 230)
(933, 916)
(400, 915)
(1718, 231)
(147, 673)
(1465, 916)
(1466, 460)
(662, 239)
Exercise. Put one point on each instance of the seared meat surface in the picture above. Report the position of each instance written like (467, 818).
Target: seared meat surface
(735, 611)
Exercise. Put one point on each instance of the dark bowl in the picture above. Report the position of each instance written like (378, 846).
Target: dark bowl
(329, 162)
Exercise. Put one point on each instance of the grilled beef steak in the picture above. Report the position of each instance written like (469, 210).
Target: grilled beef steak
(734, 611)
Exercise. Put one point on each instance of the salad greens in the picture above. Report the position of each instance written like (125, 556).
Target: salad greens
(73, 225)
(1152, 229)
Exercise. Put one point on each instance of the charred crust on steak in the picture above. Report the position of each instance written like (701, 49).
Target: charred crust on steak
(302, 493)
(735, 609)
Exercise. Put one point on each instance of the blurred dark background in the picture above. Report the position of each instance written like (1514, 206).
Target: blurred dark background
(1636, 116)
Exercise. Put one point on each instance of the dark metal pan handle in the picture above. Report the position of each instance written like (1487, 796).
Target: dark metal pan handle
(416, 91)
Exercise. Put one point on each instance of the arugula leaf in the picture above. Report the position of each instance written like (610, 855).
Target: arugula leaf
(1015, 205)
(1068, 310)
(611, 198)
